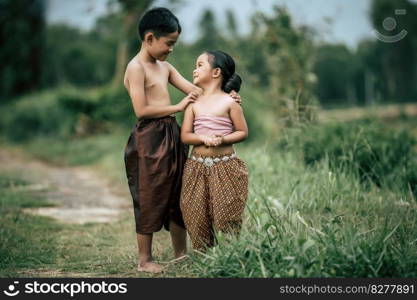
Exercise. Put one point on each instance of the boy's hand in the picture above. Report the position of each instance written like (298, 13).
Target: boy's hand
(236, 97)
(190, 98)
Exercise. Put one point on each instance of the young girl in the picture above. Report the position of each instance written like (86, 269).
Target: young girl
(215, 180)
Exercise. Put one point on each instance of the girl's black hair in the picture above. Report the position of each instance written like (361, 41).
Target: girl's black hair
(159, 20)
(230, 80)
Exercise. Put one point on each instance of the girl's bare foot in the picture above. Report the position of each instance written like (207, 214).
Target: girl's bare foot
(149, 267)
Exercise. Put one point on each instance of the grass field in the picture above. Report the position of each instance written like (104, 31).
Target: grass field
(300, 221)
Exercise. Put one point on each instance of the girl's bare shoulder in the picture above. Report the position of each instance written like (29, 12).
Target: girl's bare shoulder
(228, 101)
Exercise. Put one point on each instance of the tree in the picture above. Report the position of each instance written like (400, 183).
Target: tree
(398, 60)
(289, 56)
(22, 37)
(231, 24)
(335, 66)
(77, 57)
(370, 82)
(131, 10)
(209, 33)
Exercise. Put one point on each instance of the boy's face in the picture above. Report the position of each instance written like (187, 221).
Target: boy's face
(161, 47)
(203, 71)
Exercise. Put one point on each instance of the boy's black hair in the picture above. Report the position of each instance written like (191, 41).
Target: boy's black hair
(159, 20)
(230, 80)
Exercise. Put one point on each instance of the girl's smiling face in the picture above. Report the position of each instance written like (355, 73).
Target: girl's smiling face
(203, 70)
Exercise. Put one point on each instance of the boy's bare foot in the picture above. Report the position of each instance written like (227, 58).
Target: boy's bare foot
(149, 267)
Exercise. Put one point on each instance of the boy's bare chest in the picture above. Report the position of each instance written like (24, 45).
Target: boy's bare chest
(156, 78)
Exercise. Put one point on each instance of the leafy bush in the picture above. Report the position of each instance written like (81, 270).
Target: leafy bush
(367, 148)
(66, 112)
(114, 104)
(32, 116)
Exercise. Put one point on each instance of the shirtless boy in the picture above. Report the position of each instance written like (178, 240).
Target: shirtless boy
(154, 154)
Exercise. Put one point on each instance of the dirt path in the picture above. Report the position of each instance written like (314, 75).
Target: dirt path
(79, 194)
(82, 195)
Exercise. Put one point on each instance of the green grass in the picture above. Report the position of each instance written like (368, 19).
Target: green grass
(107, 250)
(300, 221)
(25, 241)
(35, 245)
(312, 222)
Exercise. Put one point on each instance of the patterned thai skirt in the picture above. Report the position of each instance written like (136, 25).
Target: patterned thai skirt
(213, 197)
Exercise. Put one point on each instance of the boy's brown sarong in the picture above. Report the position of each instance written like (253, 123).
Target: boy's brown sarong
(154, 160)
(213, 199)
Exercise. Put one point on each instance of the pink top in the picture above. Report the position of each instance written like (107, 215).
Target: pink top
(212, 125)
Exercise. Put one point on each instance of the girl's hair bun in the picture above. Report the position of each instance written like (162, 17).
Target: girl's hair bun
(233, 84)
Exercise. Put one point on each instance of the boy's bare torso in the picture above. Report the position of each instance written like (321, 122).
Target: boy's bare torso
(156, 81)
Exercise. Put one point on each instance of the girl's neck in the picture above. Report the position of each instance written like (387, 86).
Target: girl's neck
(211, 90)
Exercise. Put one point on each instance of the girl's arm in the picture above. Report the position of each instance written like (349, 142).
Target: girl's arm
(239, 124)
(187, 128)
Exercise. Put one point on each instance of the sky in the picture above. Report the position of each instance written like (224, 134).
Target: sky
(349, 18)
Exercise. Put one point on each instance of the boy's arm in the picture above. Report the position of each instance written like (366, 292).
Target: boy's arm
(177, 80)
(239, 124)
(187, 134)
(136, 89)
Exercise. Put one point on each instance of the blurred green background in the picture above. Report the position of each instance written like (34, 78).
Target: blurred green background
(57, 79)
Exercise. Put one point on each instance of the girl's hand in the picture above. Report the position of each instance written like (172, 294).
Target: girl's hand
(212, 141)
(207, 140)
(217, 140)
(236, 97)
